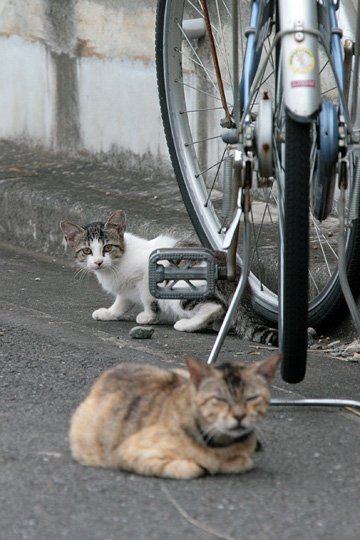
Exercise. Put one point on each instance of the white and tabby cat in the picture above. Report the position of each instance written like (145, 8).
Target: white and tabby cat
(119, 260)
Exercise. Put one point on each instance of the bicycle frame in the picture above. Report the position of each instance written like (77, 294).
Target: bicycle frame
(298, 29)
(260, 28)
(300, 58)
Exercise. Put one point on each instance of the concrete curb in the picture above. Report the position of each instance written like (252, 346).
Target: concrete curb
(39, 189)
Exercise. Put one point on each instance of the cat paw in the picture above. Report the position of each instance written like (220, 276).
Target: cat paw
(184, 325)
(104, 314)
(268, 336)
(183, 469)
(146, 318)
(241, 464)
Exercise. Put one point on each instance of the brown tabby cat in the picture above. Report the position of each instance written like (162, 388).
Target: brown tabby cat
(173, 423)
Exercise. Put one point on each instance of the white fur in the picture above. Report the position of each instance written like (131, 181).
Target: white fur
(127, 279)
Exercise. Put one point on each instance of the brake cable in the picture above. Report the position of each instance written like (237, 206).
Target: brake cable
(228, 121)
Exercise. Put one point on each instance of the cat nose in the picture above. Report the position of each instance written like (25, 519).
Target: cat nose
(239, 417)
(98, 262)
(237, 421)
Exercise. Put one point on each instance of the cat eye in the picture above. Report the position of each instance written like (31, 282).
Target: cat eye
(86, 251)
(217, 399)
(107, 248)
(252, 398)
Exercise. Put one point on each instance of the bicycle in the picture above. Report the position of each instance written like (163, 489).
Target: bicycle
(276, 145)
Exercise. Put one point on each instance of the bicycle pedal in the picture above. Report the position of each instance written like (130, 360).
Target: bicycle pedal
(182, 273)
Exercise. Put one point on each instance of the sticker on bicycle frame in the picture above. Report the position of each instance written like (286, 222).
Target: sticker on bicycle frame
(303, 84)
(301, 60)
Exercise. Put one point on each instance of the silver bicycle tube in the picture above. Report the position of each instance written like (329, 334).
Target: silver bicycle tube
(300, 58)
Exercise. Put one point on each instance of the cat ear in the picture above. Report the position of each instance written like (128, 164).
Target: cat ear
(267, 368)
(197, 369)
(71, 232)
(117, 221)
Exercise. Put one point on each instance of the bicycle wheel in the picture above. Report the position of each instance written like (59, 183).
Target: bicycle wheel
(192, 115)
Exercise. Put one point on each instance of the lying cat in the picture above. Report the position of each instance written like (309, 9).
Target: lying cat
(119, 260)
(173, 423)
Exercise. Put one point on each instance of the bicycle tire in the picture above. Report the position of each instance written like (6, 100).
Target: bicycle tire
(294, 251)
(326, 303)
(190, 201)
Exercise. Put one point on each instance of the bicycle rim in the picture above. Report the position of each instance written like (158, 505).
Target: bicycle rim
(191, 110)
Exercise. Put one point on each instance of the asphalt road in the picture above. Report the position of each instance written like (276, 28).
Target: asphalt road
(305, 485)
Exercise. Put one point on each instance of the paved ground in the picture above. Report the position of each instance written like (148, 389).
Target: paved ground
(306, 482)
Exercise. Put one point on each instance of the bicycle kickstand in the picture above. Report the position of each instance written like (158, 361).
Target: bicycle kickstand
(242, 210)
(328, 402)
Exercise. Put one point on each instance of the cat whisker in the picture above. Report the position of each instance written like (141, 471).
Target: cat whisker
(115, 270)
(261, 437)
(215, 431)
(78, 273)
(81, 273)
(211, 432)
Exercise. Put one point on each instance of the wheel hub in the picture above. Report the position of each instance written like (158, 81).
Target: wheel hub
(263, 137)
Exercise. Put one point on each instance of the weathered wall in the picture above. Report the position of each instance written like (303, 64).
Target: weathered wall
(79, 74)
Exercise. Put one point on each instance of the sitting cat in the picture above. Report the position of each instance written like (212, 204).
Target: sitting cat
(173, 423)
(119, 260)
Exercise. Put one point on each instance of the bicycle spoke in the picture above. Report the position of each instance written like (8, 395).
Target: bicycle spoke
(208, 169)
(225, 56)
(320, 235)
(215, 179)
(200, 91)
(328, 91)
(227, 9)
(195, 53)
(257, 234)
(201, 110)
(200, 64)
(202, 140)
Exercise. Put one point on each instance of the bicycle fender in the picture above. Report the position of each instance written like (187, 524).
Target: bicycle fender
(300, 59)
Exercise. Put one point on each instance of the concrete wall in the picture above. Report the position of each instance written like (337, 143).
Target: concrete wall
(80, 75)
